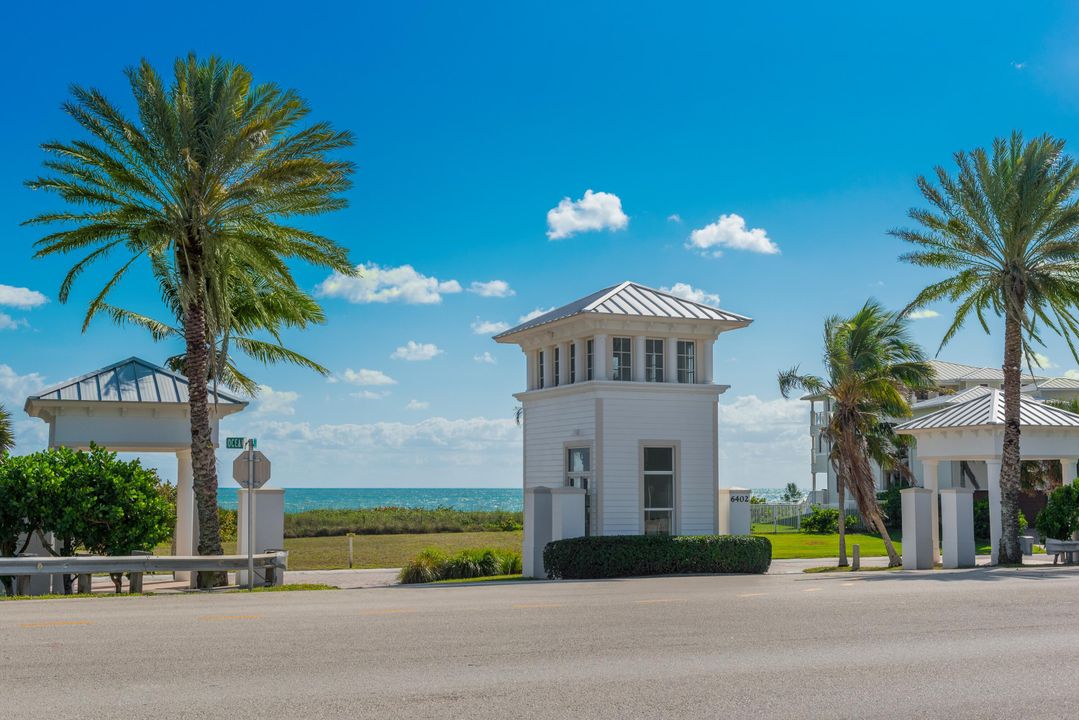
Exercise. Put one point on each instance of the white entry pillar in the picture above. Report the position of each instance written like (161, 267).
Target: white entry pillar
(917, 537)
(734, 518)
(186, 522)
(537, 530)
(995, 518)
(957, 515)
(929, 478)
(1068, 470)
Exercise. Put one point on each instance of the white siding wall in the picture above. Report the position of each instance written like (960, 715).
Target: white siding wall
(549, 424)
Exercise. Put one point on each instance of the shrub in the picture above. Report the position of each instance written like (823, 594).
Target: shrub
(891, 506)
(432, 565)
(981, 520)
(391, 520)
(611, 556)
(821, 520)
(227, 520)
(1060, 517)
(424, 568)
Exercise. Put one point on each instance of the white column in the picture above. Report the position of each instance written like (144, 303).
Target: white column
(563, 363)
(957, 526)
(670, 349)
(1067, 469)
(993, 472)
(705, 360)
(917, 553)
(734, 511)
(580, 360)
(530, 369)
(548, 366)
(601, 352)
(185, 509)
(638, 358)
(929, 472)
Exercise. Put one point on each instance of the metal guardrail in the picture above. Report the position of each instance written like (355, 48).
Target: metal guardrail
(273, 564)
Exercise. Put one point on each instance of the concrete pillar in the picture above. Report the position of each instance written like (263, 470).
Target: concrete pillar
(992, 468)
(567, 513)
(1068, 471)
(530, 365)
(932, 483)
(563, 363)
(704, 368)
(269, 525)
(548, 366)
(601, 352)
(638, 358)
(957, 526)
(537, 530)
(580, 360)
(670, 360)
(917, 535)
(734, 517)
(186, 516)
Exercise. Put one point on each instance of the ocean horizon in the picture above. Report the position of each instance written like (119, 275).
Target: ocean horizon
(510, 499)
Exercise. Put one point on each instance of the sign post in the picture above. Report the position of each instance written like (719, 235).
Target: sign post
(251, 470)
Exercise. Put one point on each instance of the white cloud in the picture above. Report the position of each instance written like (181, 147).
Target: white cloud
(473, 434)
(675, 218)
(1042, 361)
(275, 402)
(730, 231)
(9, 323)
(763, 443)
(416, 351)
(15, 388)
(688, 292)
(534, 314)
(492, 288)
(384, 285)
(1019, 65)
(489, 327)
(363, 376)
(1073, 374)
(923, 314)
(21, 297)
(417, 405)
(486, 358)
(594, 211)
(369, 394)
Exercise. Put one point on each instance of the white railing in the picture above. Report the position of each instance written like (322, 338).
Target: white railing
(782, 516)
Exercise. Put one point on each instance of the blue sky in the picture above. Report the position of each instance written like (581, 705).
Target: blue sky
(473, 122)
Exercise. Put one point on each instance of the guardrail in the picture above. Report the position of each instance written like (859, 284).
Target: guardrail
(273, 564)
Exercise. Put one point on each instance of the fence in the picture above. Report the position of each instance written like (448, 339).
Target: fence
(783, 517)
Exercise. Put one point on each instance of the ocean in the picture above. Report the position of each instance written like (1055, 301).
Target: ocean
(301, 499)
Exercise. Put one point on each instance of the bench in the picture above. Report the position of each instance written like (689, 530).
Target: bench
(272, 564)
(1068, 548)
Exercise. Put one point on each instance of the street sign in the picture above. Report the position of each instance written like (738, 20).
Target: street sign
(253, 462)
(233, 443)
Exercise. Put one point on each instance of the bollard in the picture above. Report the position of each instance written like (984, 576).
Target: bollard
(856, 559)
(350, 536)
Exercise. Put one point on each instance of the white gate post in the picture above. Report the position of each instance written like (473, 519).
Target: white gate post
(537, 530)
(957, 520)
(995, 520)
(917, 535)
(734, 516)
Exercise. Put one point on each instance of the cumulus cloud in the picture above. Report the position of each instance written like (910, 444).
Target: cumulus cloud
(594, 211)
(473, 434)
(15, 388)
(688, 292)
(763, 443)
(1042, 361)
(730, 231)
(486, 359)
(492, 288)
(923, 314)
(9, 323)
(534, 314)
(417, 405)
(369, 394)
(376, 284)
(675, 218)
(366, 377)
(1073, 374)
(489, 327)
(20, 297)
(275, 402)
(415, 351)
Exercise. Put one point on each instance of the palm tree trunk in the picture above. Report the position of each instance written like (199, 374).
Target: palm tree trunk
(203, 461)
(841, 496)
(1009, 552)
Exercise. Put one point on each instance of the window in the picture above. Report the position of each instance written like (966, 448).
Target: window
(687, 361)
(579, 475)
(653, 360)
(573, 362)
(554, 370)
(588, 358)
(658, 500)
(539, 369)
(621, 363)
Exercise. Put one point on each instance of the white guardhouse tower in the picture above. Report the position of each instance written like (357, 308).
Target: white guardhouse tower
(620, 401)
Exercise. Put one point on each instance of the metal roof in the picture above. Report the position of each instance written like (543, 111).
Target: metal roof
(1056, 383)
(131, 380)
(632, 299)
(949, 372)
(956, 399)
(988, 410)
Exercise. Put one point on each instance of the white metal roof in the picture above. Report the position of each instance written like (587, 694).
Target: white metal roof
(131, 380)
(988, 410)
(632, 299)
(1056, 383)
(956, 399)
(949, 372)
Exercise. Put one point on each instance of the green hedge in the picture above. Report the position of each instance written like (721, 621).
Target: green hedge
(432, 565)
(611, 556)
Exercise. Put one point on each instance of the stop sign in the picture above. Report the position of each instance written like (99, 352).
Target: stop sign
(259, 469)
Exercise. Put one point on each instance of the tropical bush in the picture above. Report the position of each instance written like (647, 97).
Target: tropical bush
(1060, 516)
(610, 556)
(432, 565)
(891, 506)
(982, 524)
(393, 520)
(825, 521)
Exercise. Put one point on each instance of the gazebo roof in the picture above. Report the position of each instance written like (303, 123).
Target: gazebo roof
(987, 410)
(131, 381)
(955, 399)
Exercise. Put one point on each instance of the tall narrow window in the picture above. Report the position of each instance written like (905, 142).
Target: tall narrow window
(579, 475)
(539, 369)
(653, 360)
(687, 361)
(621, 363)
(588, 359)
(658, 496)
(555, 369)
(572, 363)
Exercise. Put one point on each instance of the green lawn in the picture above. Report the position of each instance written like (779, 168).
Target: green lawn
(786, 545)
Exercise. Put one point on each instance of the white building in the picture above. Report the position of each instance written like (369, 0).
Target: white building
(956, 384)
(620, 401)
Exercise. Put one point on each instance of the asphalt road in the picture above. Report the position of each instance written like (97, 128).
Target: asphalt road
(967, 644)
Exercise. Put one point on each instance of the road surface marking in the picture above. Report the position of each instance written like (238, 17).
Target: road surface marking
(744, 595)
(848, 584)
(810, 589)
(388, 611)
(660, 600)
(530, 606)
(57, 623)
(217, 618)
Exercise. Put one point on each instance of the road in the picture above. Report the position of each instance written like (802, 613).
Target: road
(964, 644)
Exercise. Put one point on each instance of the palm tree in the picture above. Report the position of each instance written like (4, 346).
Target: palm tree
(1006, 228)
(871, 366)
(210, 176)
(7, 435)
